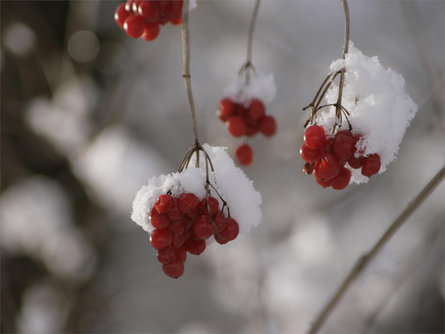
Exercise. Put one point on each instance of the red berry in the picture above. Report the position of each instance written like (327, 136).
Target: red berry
(343, 147)
(174, 269)
(256, 109)
(176, 12)
(151, 31)
(236, 126)
(188, 203)
(226, 109)
(177, 227)
(328, 169)
(213, 205)
(355, 162)
(121, 15)
(135, 6)
(314, 137)
(251, 130)
(267, 126)
(341, 181)
(160, 238)
(167, 255)
(220, 221)
(371, 165)
(149, 10)
(157, 220)
(180, 239)
(164, 11)
(181, 254)
(202, 228)
(175, 213)
(244, 154)
(229, 233)
(308, 154)
(165, 204)
(322, 182)
(134, 26)
(195, 247)
(326, 148)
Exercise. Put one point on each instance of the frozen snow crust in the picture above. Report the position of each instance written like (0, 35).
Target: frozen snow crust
(379, 106)
(230, 181)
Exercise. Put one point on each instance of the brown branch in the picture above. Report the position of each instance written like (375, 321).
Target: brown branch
(364, 261)
(186, 66)
(251, 29)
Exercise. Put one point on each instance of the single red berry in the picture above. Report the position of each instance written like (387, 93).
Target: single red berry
(149, 10)
(371, 165)
(188, 203)
(341, 181)
(314, 137)
(309, 155)
(175, 213)
(121, 15)
(202, 228)
(195, 247)
(328, 169)
(151, 31)
(256, 109)
(244, 154)
(165, 204)
(157, 220)
(226, 109)
(181, 254)
(164, 11)
(174, 269)
(236, 126)
(213, 205)
(267, 125)
(230, 232)
(167, 255)
(355, 162)
(134, 26)
(176, 12)
(343, 147)
(180, 239)
(160, 238)
(177, 227)
(326, 148)
(322, 182)
(220, 221)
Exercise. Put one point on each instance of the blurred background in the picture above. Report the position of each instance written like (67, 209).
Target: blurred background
(89, 114)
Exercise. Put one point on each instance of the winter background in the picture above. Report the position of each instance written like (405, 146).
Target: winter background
(89, 114)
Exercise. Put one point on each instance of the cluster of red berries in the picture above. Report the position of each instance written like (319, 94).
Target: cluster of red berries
(246, 120)
(326, 157)
(183, 224)
(142, 18)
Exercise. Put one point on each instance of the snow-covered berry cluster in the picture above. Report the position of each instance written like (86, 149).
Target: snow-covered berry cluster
(184, 224)
(246, 120)
(143, 18)
(327, 157)
(243, 108)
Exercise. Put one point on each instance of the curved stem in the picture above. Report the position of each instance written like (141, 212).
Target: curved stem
(364, 260)
(186, 66)
(345, 51)
(250, 38)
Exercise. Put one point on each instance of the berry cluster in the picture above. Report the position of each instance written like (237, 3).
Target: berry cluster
(183, 224)
(327, 156)
(246, 120)
(142, 18)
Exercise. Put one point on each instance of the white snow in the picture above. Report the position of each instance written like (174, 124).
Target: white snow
(378, 104)
(261, 86)
(230, 181)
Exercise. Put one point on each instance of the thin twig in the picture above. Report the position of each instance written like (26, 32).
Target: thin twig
(251, 29)
(186, 66)
(363, 261)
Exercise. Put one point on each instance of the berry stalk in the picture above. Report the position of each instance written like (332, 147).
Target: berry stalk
(248, 63)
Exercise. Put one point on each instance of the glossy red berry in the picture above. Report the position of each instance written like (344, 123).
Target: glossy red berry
(160, 238)
(149, 10)
(174, 269)
(195, 247)
(371, 165)
(202, 229)
(236, 126)
(256, 109)
(165, 204)
(230, 233)
(134, 26)
(244, 154)
(328, 168)
(355, 162)
(226, 109)
(151, 31)
(343, 147)
(341, 181)
(121, 15)
(267, 126)
(157, 220)
(188, 203)
(220, 221)
(314, 137)
(167, 255)
(213, 205)
(309, 155)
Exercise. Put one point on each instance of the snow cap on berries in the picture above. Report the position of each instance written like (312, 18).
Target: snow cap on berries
(261, 86)
(379, 107)
(230, 181)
